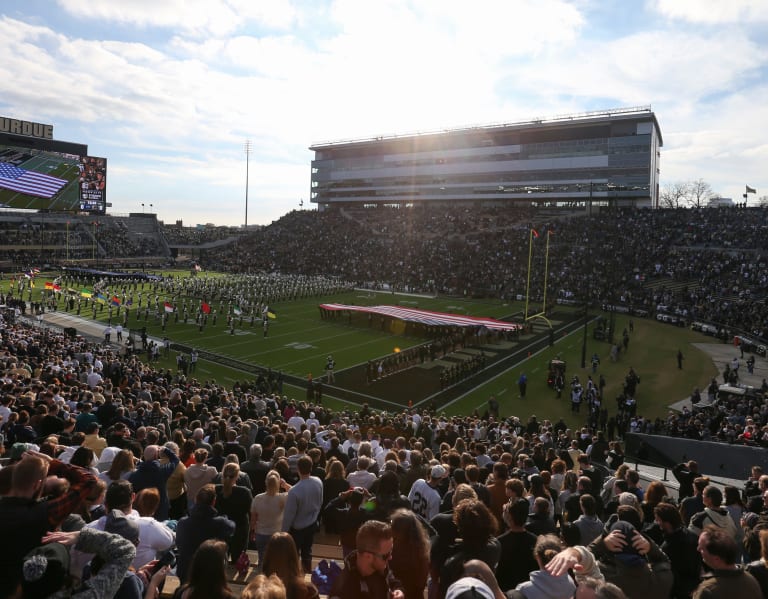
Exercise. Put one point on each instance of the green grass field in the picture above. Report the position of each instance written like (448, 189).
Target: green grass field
(299, 341)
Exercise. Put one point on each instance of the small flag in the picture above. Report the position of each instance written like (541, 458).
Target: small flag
(751, 189)
(237, 311)
(197, 268)
(86, 293)
(31, 283)
(535, 233)
(56, 288)
(272, 314)
(100, 298)
(48, 285)
(205, 308)
(35, 271)
(129, 302)
(168, 307)
(115, 301)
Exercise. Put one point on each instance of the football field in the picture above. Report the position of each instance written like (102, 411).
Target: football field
(298, 342)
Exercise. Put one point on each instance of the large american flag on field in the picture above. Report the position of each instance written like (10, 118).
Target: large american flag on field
(29, 182)
(428, 317)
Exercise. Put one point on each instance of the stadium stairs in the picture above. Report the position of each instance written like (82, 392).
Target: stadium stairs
(326, 546)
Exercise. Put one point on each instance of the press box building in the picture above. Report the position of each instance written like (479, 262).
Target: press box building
(606, 158)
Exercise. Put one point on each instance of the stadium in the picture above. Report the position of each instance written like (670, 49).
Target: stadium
(607, 158)
(510, 289)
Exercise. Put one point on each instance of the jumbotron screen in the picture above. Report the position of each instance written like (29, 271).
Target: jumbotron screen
(36, 179)
(93, 184)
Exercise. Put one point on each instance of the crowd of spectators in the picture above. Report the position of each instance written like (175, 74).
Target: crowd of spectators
(696, 265)
(699, 265)
(104, 449)
(124, 460)
(180, 235)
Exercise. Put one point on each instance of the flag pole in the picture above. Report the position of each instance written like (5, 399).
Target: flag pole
(546, 270)
(528, 284)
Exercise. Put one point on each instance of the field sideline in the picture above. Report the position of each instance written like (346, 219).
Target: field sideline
(298, 342)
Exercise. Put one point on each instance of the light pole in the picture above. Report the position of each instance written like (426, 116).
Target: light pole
(95, 230)
(247, 165)
(588, 281)
(142, 207)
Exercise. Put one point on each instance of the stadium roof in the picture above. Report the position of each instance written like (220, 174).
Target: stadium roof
(427, 317)
(631, 112)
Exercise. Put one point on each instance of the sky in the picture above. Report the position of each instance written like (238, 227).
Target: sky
(170, 90)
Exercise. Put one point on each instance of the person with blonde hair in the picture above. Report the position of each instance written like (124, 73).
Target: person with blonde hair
(267, 511)
(123, 463)
(264, 587)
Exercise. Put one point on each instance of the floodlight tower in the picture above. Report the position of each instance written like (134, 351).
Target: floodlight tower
(247, 163)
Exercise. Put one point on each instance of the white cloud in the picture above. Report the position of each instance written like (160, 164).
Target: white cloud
(193, 17)
(175, 87)
(713, 12)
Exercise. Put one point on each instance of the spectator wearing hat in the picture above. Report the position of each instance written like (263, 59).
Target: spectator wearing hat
(424, 496)
(46, 570)
(25, 520)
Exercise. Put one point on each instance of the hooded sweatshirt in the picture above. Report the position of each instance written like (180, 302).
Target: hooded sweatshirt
(543, 585)
(196, 477)
(713, 516)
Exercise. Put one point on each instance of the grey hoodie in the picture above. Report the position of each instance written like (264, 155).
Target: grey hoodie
(713, 517)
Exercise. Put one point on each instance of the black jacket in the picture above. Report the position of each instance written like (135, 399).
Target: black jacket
(202, 523)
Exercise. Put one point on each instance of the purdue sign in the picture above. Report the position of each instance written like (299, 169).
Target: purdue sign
(25, 128)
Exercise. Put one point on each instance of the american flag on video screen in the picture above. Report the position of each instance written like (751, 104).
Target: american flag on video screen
(29, 182)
